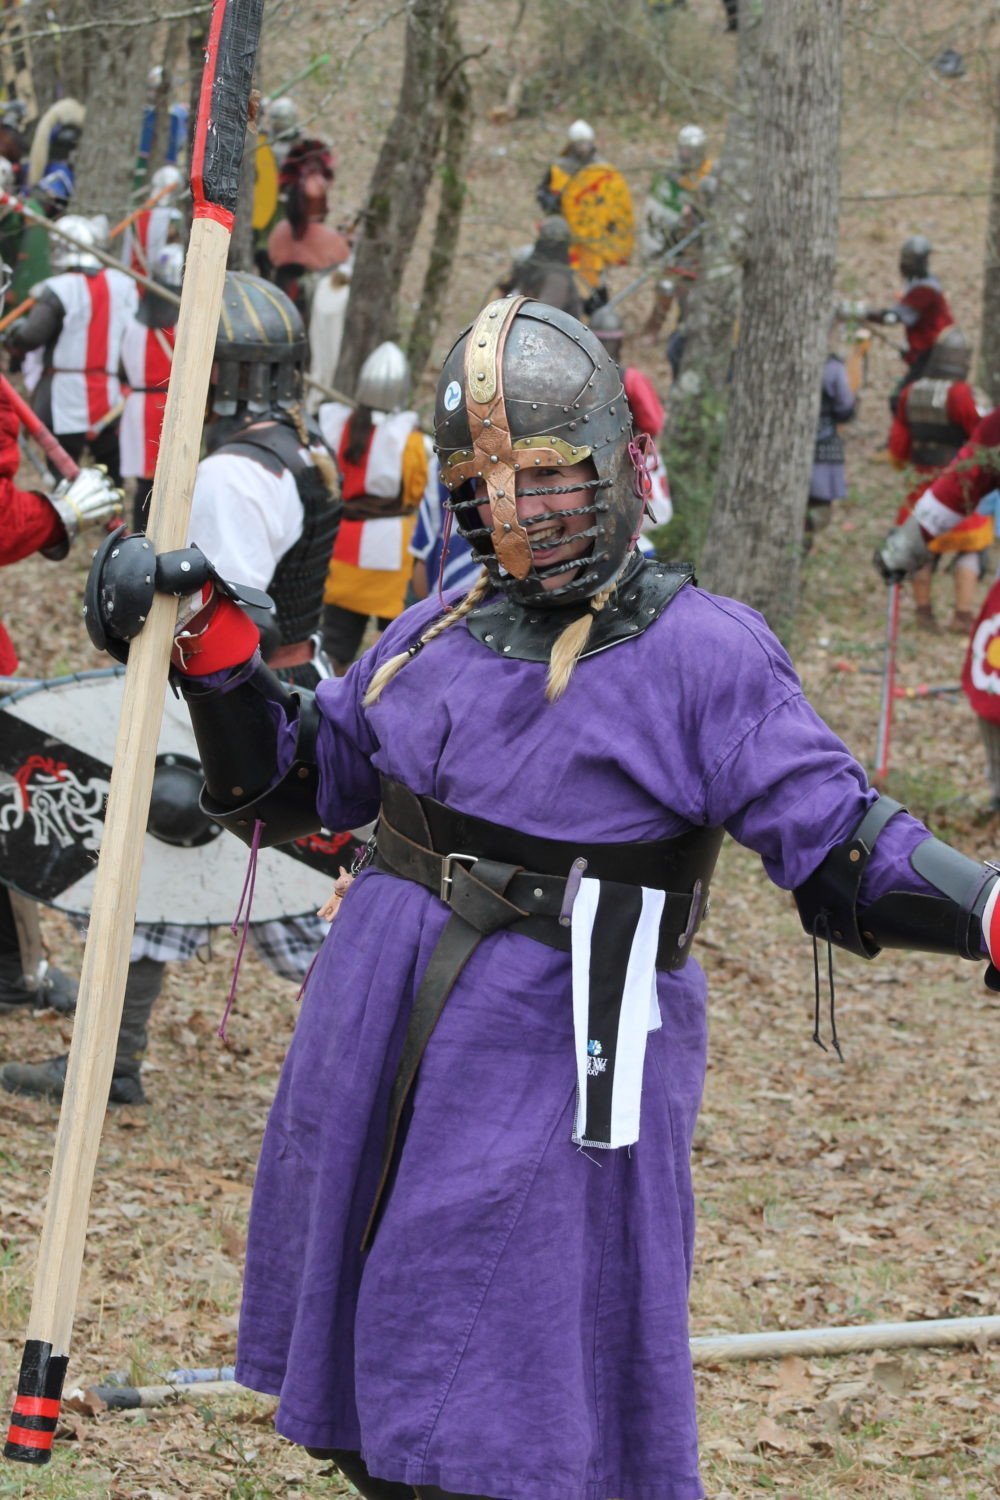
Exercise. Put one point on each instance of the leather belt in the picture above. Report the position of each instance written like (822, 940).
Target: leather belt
(489, 893)
(297, 655)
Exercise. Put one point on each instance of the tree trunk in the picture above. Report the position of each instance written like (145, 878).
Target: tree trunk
(173, 48)
(241, 242)
(754, 545)
(111, 63)
(697, 408)
(398, 188)
(454, 149)
(989, 348)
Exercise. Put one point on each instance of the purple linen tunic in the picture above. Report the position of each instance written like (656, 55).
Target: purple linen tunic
(519, 1327)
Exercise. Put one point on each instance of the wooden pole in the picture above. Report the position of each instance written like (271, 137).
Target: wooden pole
(216, 158)
(29, 302)
(715, 1349)
(932, 1334)
(331, 393)
(7, 200)
(46, 440)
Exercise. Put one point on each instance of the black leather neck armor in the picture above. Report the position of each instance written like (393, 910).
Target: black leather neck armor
(528, 634)
(297, 585)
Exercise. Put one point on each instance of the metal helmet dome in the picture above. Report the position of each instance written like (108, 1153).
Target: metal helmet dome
(528, 386)
(554, 230)
(282, 116)
(692, 144)
(78, 257)
(580, 133)
(384, 382)
(260, 349)
(914, 255)
(606, 322)
(951, 356)
(168, 180)
(168, 268)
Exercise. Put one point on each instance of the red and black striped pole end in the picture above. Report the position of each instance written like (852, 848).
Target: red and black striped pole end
(224, 107)
(36, 1406)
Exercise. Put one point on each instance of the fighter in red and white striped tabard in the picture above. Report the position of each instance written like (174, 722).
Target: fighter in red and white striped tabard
(79, 320)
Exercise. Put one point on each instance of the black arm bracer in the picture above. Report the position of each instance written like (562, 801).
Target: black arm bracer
(237, 742)
(125, 574)
(945, 923)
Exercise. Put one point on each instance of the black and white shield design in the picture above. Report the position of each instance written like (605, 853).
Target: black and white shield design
(56, 746)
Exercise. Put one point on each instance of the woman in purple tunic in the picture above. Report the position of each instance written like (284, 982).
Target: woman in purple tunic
(468, 1265)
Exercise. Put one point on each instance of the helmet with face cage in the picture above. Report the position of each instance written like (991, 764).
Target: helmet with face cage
(527, 388)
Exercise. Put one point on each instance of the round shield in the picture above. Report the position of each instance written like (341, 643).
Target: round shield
(57, 742)
(265, 192)
(597, 206)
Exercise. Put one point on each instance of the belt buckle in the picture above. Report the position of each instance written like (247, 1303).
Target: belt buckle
(446, 876)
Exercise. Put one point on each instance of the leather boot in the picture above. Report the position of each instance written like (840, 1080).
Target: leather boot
(354, 1469)
(46, 989)
(47, 1079)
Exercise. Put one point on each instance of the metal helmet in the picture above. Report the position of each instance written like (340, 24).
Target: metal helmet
(950, 357)
(78, 257)
(606, 323)
(260, 349)
(168, 180)
(580, 138)
(384, 382)
(167, 271)
(13, 113)
(168, 268)
(914, 257)
(692, 146)
(53, 192)
(282, 117)
(64, 140)
(528, 385)
(553, 231)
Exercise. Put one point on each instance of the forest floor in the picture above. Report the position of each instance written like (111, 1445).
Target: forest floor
(828, 1193)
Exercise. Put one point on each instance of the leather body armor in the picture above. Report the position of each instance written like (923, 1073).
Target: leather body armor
(935, 438)
(829, 445)
(297, 585)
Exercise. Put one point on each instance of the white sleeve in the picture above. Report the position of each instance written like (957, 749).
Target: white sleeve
(243, 518)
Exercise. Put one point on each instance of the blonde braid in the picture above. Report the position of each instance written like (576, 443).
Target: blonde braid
(388, 669)
(569, 645)
(320, 457)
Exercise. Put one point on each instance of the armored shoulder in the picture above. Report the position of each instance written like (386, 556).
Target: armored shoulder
(527, 634)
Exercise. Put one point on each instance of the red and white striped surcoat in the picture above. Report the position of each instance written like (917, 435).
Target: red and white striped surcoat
(87, 351)
(146, 361)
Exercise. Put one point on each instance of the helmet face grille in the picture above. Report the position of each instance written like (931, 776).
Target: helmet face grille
(530, 387)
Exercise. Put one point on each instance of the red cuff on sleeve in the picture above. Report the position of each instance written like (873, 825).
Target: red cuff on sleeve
(220, 636)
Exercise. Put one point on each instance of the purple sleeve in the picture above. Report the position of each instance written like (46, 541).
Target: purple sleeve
(889, 868)
(782, 783)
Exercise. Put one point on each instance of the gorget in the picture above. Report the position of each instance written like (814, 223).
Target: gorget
(528, 633)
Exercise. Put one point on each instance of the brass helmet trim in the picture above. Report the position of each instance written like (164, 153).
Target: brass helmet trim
(552, 452)
(489, 427)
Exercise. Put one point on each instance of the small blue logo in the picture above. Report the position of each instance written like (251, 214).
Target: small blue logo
(594, 1048)
(453, 396)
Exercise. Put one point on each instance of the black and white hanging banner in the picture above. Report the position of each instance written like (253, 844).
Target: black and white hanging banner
(615, 931)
